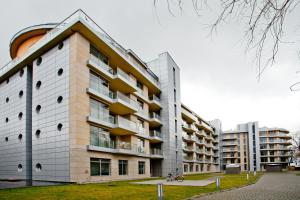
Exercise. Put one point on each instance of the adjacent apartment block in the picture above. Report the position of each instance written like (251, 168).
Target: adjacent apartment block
(78, 107)
(254, 148)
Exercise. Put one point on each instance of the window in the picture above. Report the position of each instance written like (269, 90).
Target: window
(60, 45)
(141, 145)
(140, 104)
(20, 137)
(123, 166)
(38, 167)
(20, 115)
(174, 95)
(60, 72)
(174, 79)
(7, 99)
(99, 110)
(271, 159)
(39, 61)
(102, 138)
(6, 119)
(6, 139)
(197, 168)
(185, 168)
(99, 84)
(20, 168)
(95, 52)
(175, 125)
(191, 167)
(38, 84)
(38, 133)
(59, 127)
(21, 72)
(175, 110)
(59, 99)
(21, 93)
(176, 141)
(100, 167)
(141, 167)
(139, 85)
(38, 108)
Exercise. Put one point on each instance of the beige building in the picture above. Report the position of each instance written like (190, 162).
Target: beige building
(274, 148)
(86, 109)
(200, 144)
(254, 148)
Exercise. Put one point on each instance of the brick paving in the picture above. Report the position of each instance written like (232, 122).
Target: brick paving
(272, 186)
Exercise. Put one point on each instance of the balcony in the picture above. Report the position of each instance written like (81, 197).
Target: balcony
(142, 113)
(187, 116)
(141, 94)
(125, 148)
(201, 133)
(188, 148)
(199, 151)
(188, 138)
(154, 103)
(189, 159)
(119, 80)
(203, 125)
(154, 120)
(156, 153)
(117, 125)
(190, 128)
(155, 136)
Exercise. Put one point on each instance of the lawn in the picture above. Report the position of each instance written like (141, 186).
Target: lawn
(124, 189)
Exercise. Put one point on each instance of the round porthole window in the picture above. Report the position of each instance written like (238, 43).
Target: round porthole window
(6, 139)
(20, 115)
(20, 168)
(38, 167)
(60, 72)
(7, 99)
(59, 99)
(38, 84)
(38, 133)
(20, 137)
(39, 61)
(21, 93)
(21, 72)
(60, 45)
(6, 120)
(38, 108)
(59, 127)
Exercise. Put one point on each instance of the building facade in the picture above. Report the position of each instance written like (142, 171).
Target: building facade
(78, 107)
(254, 148)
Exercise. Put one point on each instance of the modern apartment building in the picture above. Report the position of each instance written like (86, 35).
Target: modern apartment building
(255, 148)
(78, 107)
(200, 144)
(274, 147)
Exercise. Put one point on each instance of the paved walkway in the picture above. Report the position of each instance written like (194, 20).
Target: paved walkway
(183, 183)
(272, 186)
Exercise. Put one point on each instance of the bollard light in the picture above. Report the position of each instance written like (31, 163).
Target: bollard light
(218, 183)
(160, 191)
(247, 176)
(254, 173)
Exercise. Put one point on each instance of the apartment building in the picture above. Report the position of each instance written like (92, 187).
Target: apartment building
(274, 148)
(254, 148)
(200, 144)
(76, 106)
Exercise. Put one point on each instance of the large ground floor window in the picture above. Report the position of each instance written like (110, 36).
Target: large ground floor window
(141, 167)
(123, 167)
(100, 167)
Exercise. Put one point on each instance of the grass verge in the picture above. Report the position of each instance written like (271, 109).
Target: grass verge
(124, 190)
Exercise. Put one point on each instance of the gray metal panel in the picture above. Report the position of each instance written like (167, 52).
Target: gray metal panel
(51, 149)
(13, 152)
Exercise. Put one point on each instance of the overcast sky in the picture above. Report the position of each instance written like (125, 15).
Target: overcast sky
(218, 78)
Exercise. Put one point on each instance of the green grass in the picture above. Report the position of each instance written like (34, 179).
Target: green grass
(124, 189)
